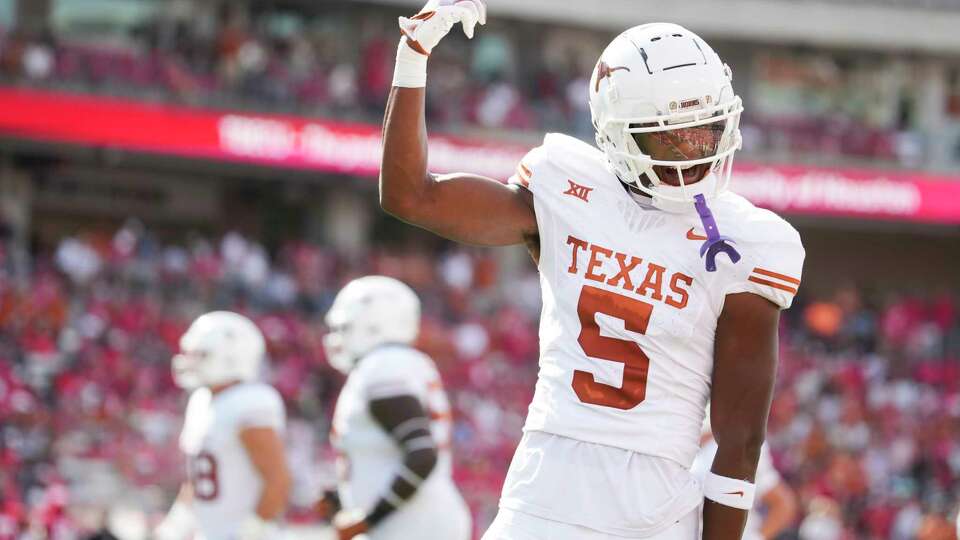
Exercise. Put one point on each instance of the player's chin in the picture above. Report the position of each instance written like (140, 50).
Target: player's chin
(691, 175)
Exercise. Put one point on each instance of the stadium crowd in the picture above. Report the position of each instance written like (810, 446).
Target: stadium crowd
(864, 426)
(338, 64)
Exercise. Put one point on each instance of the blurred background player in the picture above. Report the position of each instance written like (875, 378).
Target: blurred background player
(775, 506)
(392, 423)
(237, 478)
(646, 311)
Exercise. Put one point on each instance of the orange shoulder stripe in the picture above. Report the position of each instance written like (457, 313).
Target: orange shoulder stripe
(773, 284)
(526, 172)
(784, 277)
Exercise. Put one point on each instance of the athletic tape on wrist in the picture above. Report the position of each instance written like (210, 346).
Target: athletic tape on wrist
(410, 70)
(729, 491)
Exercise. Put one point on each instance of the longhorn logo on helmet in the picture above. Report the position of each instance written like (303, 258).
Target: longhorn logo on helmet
(604, 71)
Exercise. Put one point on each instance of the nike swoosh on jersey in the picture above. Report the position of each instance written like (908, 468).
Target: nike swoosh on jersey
(738, 493)
(691, 235)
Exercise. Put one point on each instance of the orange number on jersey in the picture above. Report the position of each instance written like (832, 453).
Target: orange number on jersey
(635, 316)
(203, 476)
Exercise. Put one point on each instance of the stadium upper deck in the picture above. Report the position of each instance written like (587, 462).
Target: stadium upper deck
(826, 104)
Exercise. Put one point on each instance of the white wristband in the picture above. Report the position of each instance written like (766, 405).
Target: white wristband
(729, 491)
(410, 70)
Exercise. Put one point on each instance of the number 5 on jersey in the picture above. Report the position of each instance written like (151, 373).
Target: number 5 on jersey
(635, 315)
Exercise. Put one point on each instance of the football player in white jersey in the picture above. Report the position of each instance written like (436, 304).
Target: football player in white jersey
(237, 478)
(392, 423)
(777, 499)
(661, 288)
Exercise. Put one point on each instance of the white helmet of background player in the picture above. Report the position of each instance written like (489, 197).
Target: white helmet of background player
(665, 113)
(220, 347)
(369, 312)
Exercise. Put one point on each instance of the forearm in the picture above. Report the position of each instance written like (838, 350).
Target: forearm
(403, 168)
(266, 452)
(745, 365)
(775, 523)
(404, 418)
(781, 504)
(416, 467)
(738, 456)
(274, 498)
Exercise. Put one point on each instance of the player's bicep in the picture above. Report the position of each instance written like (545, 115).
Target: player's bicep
(745, 367)
(404, 418)
(471, 209)
(265, 449)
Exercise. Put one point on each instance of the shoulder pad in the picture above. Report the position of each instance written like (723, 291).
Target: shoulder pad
(559, 157)
(259, 405)
(772, 251)
(391, 371)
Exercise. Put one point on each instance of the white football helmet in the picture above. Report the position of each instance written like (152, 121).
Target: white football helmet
(369, 312)
(220, 347)
(663, 105)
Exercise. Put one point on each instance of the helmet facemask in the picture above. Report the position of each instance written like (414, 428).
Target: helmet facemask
(185, 367)
(664, 155)
(195, 367)
(668, 120)
(337, 346)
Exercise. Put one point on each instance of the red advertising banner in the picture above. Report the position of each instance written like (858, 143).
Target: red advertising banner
(282, 141)
(271, 140)
(793, 189)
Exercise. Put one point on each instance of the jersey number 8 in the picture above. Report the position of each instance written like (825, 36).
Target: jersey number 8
(635, 315)
(202, 472)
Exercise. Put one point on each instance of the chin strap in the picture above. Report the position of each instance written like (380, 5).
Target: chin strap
(715, 243)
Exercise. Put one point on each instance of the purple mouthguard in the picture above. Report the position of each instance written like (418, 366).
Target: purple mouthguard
(715, 243)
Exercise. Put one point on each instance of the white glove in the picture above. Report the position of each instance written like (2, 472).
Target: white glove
(423, 31)
(253, 527)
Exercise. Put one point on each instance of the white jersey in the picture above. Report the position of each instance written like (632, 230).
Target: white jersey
(766, 479)
(226, 486)
(370, 458)
(630, 313)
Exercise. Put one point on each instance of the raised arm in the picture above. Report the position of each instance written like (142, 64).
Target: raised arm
(745, 366)
(463, 207)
